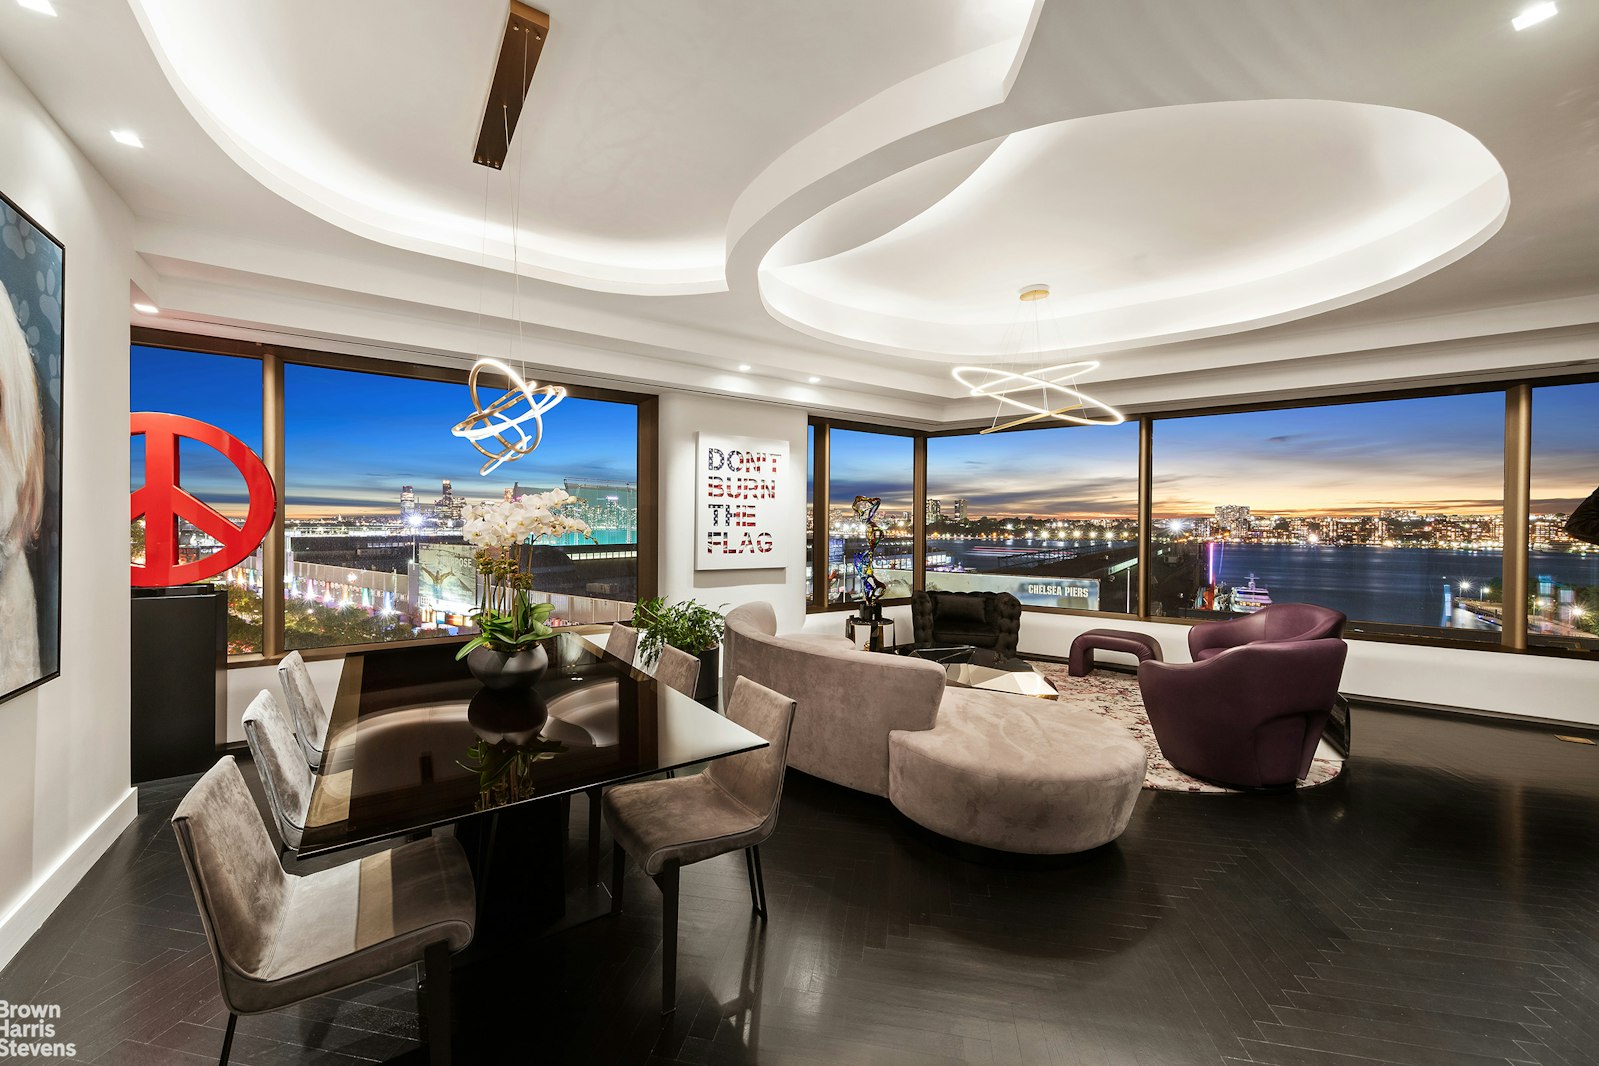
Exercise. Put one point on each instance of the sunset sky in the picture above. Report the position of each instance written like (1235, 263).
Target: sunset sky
(354, 439)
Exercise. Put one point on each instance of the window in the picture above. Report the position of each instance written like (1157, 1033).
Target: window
(810, 510)
(1048, 515)
(223, 391)
(1389, 511)
(869, 464)
(1562, 573)
(374, 497)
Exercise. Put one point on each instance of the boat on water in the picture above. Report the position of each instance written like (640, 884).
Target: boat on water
(1247, 599)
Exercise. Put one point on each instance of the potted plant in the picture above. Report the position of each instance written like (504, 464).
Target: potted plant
(507, 653)
(687, 626)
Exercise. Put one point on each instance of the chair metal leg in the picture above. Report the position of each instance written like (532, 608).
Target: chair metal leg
(436, 967)
(667, 880)
(594, 836)
(227, 1039)
(760, 883)
(618, 876)
(749, 869)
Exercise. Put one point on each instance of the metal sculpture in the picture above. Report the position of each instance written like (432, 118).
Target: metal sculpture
(866, 559)
(162, 501)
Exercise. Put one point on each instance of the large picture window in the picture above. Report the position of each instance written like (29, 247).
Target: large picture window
(1562, 573)
(1049, 515)
(1389, 511)
(223, 391)
(375, 489)
(869, 464)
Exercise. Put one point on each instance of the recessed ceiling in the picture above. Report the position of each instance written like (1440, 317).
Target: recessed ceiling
(643, 124)
(1153, 225)
(1230, 200)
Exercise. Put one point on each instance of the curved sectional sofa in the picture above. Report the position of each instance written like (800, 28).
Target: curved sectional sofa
(988, 768)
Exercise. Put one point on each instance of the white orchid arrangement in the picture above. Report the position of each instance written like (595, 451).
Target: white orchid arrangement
(507, 618)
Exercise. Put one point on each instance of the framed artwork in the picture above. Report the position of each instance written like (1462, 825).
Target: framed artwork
(740, 506)
(31, 311)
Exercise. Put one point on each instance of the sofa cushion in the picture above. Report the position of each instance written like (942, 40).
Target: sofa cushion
(1017, 774)
(953, 610)
(977, 638)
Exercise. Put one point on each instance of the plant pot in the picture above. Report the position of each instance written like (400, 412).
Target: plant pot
(710, 677)
(507, 672)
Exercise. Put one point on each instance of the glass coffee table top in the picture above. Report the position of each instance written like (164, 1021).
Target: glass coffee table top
(970, 667)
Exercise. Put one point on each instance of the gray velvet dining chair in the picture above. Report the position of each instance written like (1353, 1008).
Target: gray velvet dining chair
(279, 938)
(311, 716)
(731, 806)
(284, 775)
(678, 669)
(622, 642)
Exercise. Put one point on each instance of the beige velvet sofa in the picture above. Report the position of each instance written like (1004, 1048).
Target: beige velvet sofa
(992, 769)
(847, 700)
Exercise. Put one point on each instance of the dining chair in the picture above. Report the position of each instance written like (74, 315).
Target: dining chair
(678, 669)
(310, 716)
(623, 642)
(284, 775)
(730, 806)
(279, 938)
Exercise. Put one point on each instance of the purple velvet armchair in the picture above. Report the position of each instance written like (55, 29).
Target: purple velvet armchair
(1249, 717)
(1275, 622)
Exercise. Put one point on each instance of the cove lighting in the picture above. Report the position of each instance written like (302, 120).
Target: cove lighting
(43, 7)
(127, 137)
(743, 368)
(147, 309)
(1535, 14)
(814, 380)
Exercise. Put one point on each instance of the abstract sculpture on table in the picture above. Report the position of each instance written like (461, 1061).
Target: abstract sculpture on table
(866, 559)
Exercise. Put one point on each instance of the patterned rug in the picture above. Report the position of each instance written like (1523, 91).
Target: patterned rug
(1114, 695)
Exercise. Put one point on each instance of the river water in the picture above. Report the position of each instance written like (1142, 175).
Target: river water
(1401, 585)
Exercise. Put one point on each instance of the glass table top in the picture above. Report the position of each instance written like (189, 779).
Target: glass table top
(415, 742)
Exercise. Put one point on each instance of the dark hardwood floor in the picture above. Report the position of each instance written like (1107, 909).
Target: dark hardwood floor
(1437, 906)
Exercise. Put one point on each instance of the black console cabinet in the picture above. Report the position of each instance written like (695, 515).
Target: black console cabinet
(179, 679)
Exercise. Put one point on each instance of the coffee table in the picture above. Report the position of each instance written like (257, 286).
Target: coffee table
(969, 667)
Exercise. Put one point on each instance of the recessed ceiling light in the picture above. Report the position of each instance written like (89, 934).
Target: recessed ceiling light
(814, 380)
(127, 137)
(147, 309)
(743, 368)
(43, 7)
(1535, 14)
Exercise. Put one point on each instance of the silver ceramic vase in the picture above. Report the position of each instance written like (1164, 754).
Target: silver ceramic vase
(505, 673)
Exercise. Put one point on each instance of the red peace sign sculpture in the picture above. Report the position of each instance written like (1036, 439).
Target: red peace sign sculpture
(162, 501)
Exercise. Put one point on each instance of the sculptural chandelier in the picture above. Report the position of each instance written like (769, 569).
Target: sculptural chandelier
(502, 422)
(1042, 393)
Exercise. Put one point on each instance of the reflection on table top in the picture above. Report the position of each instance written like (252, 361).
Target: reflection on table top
(416, 742)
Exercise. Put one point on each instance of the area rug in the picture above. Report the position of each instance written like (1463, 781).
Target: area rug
(1114, 695)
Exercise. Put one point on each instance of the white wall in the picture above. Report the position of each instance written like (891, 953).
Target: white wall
(64, 791)
(683, 414)
(1533, 686)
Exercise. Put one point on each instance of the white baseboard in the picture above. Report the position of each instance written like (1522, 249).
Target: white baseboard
(49, 889)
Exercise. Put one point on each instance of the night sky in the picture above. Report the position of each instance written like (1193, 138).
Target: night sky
(354, 439)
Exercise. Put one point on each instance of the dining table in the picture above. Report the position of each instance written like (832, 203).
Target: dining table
(415, 743)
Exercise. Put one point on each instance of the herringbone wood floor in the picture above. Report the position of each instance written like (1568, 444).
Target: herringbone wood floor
(1435, 907)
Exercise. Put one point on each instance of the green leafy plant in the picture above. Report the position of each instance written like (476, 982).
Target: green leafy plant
(507, 618)
(688, 626)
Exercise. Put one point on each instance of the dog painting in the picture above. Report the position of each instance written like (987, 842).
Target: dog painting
(31, 307)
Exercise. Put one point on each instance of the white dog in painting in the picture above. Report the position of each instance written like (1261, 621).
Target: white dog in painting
(21, 502)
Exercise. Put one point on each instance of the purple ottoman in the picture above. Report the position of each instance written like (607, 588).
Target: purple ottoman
(1083, 648)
